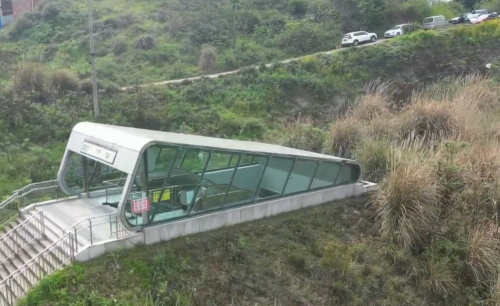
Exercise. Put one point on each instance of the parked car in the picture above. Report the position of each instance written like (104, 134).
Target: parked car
(356, 38)
(462, 19)
(482, 18)
(480, 12)
(400, 29)
(469, 16)
(434, 22)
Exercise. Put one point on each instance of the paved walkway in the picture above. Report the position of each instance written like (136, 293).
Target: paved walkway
(216, 75)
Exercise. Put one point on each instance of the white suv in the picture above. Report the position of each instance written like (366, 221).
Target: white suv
(356, 38)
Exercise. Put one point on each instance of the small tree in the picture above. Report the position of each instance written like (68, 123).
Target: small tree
(208, 58)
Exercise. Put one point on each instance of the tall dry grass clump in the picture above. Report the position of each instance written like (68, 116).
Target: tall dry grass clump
(407, 206)
(432, 121)
(373, 154)
(480, 171)
(375, 102)
(343, 138)
(63, 81)
(483, 254)
(437, 277)
(28, 77)
(299, 134)
(478, 92)
(208, 58)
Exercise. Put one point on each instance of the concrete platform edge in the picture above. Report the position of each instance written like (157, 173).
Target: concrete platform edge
(204, 223)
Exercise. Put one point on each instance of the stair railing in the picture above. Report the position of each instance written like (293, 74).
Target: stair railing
(21, 235)
(55, 256)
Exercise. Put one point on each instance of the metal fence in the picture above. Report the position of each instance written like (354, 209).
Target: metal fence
(106, 224)
(46, 262)
(33, 193)
(20, 236)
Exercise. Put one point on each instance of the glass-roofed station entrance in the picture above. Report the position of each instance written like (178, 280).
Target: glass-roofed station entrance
(154, 177)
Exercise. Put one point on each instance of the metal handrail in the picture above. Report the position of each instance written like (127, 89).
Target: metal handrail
(15, 202)
(113, 220)
(26, 189)
(14, 234)
(84, 220)
(39, 269)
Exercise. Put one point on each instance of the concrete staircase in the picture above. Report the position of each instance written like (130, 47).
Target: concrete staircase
(31, 247)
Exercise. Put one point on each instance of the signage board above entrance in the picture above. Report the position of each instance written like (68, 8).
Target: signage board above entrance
(98, 152)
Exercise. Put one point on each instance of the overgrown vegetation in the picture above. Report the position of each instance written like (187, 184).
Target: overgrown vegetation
(253, 104)
(139, 42)
(428, 237)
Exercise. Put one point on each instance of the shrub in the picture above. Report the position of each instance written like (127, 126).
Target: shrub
(382, 128)
(480, 171)
(121, 21)
(343, 137)
(175, 25)
(371, 107)
(20, 25)
(119, 46)
(300, 134)
(436, 276)
(430, 121)
(374, 156)
(407, 205)
(478, 93)
(28, 77)
(229, 62)
(50, 11)
(208, 58)
(145, 43)
(298, 8)
(63, 81)
(163, 15)
(483, 254)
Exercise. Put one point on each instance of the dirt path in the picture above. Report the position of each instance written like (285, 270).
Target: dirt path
(235, 71)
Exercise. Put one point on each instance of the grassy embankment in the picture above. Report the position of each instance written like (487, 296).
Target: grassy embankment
(36, 116)
(428, 237)
(139, 42)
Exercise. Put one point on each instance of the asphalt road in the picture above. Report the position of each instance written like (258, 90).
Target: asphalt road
(216, 75)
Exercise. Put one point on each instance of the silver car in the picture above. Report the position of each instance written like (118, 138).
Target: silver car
(435, 22)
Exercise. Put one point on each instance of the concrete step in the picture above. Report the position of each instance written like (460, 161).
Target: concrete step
(54, 231)
(36, 258)
(3, 296)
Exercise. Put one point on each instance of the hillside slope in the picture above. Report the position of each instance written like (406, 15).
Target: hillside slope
(252, 104)
(279, 261)
(139, 42)
(428, 237)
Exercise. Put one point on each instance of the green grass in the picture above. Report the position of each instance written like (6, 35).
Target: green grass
(320, 256)
(265, 32)
(249, 105)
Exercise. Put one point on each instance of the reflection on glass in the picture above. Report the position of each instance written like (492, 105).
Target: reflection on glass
(326, 174)
(183, 181)
(348, 174)
(301, 176)
(245, 180)
(275, 177)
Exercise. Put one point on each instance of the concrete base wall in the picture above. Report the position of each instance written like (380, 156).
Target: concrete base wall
(204, 223)
(229, 217)
(107, 247)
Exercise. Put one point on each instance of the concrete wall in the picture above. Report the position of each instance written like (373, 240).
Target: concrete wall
(204, 223)
(21, 6)
(107, 247)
